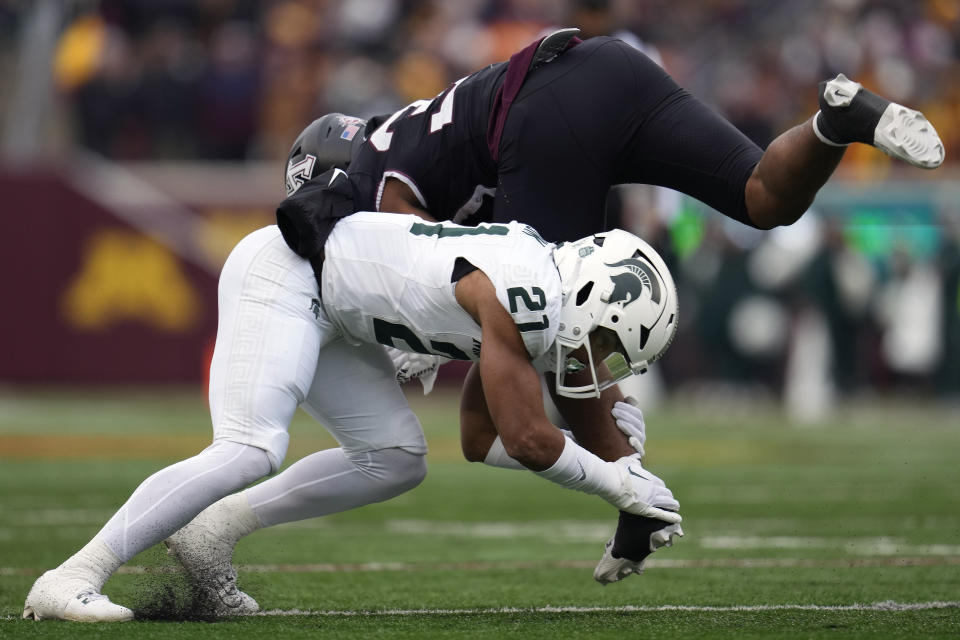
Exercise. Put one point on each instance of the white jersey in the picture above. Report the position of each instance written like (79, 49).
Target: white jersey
(388, 278)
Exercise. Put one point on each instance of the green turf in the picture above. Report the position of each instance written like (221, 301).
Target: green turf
(865, 509)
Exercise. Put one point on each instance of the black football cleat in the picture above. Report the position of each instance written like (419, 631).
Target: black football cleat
(849, 113)
(627, 551)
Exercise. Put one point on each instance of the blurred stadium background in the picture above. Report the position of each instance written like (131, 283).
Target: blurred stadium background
(141, 139)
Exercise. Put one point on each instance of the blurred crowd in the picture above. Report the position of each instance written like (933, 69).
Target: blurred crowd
(812, 310)
(237, 79)
(839, 305)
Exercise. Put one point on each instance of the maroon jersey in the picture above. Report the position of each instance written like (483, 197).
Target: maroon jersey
(438, 148)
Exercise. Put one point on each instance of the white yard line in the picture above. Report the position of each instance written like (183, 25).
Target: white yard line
(868, 546)
(652, 564)
(887, 605)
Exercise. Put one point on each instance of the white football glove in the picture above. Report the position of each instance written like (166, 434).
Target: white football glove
(411, 366)
(611, 569)
(643, 493)
(630, 421)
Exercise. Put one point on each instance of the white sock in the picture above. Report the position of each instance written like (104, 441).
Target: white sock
(578, 469)
(94, 563)
(497, 454)
(823, 138)
(497, 457)
(230, 518)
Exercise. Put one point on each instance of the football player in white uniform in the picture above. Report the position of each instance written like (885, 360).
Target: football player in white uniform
(308, 332)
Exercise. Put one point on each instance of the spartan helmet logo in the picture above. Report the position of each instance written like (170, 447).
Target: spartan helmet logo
(629, 284)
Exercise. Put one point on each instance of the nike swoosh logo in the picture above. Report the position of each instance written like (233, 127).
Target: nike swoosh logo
(634, 473)
(583, 473)
(336, 172)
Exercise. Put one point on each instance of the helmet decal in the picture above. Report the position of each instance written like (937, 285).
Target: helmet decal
(349, 131)
(299, 172)
(350, 120)
(630, 284)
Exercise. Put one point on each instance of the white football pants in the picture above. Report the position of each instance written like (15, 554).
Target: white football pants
(276, 350)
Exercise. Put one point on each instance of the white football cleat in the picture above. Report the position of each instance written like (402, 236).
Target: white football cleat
(906, 134)
(54, 597)
(648, 535)
(208, 561)
(849, 113)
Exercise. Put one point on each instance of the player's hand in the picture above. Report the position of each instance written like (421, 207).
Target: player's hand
(411, 366)
(630, 421)
(643, 493)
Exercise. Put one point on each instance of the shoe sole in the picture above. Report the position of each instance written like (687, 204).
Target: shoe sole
(29, 613)
(906, 134)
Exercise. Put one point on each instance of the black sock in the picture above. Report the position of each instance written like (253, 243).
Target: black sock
(633, 536)
(856, 122)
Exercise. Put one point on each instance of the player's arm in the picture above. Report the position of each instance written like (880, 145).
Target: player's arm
(511, 387)
(509, 383)
(478, 434)
(592, 420)
(477, 431)
(399, 198)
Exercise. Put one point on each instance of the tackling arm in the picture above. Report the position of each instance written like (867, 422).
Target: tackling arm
(477, 431)
(510, 385)
(591, 420)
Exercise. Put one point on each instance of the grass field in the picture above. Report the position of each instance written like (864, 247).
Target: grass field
(846, 530)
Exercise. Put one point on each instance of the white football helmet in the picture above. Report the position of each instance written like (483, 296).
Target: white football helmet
(617, 281)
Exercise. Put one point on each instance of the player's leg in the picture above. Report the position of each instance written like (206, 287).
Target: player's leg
(681, 143)
(267, 341)
(799, 161)
(667, 137)
(355, 395)
(162, 503)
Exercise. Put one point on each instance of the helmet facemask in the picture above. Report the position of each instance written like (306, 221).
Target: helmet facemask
(601, 356)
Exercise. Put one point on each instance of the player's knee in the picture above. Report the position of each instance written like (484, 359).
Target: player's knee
(411, 469)
(242, 464)
(395, 470)
(765, 208)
